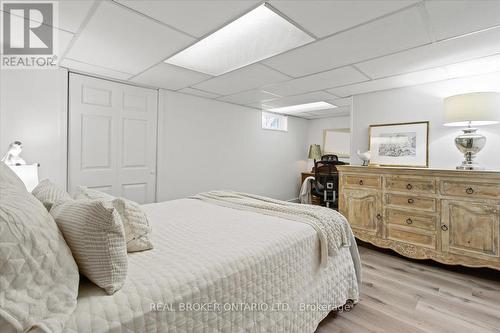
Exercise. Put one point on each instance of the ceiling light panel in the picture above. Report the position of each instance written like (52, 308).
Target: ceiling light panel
(257, 35)
(303, 107)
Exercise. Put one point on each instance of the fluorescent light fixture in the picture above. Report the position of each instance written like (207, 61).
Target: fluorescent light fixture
(303, 107)
(474, 67)
(257, 35)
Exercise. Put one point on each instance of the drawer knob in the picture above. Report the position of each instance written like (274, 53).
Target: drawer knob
(409, 221)
(410, 201)
(361, 182)
(469, 190)
(409, 186)
(444, 227)
(379, 216)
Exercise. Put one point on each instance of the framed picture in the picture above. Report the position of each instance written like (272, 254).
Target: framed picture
(337, 142)
(404, 144)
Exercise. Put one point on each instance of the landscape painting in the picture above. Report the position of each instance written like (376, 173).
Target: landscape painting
(404, 144)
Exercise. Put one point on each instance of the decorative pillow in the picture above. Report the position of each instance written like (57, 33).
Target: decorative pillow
(38, 275)
(94, 232)
(135, 222)
(48, 193)
(7, 176)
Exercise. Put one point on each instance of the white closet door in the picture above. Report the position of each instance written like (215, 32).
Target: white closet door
(112, 138)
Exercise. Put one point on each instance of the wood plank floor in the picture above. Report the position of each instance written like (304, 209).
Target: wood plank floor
(401, 295)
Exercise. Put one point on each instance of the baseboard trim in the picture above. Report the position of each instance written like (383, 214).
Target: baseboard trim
(295, 200)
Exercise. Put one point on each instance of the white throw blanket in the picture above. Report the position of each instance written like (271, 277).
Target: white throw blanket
(305, 191)
(332, 227)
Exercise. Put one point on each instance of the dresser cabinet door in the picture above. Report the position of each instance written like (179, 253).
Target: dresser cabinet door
(470, 228)
(362, 208)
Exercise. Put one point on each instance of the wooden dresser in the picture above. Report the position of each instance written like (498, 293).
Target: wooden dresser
(446, 215)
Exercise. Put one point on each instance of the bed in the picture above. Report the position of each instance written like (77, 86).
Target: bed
(217, 269)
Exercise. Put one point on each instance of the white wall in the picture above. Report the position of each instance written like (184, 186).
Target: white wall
(206, 145)
(33, 110)
(421, 103)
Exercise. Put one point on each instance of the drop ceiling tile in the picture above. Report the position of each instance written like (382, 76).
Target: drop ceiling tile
(259, 105)
(434, 55)
(169, 77)
(64, 40)
(454, 18)
(398, 81)
(248, 97)
(91, 69)
(316, 96)
(250, 77)
(197, 18)
(122, 40)
(333, 78)
(73, 13)
(324, 18)
(342, 101)
(393, 33)
(199, 93)
(332, 112)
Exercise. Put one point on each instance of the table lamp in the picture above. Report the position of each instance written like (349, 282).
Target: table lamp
(314, 153)
(473, 109)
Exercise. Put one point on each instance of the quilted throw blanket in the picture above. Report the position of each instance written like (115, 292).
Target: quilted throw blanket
(332, 227)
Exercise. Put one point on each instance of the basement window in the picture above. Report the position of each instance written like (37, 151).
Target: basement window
(273, 121)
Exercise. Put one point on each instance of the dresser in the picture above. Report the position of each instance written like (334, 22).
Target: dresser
(450, 216)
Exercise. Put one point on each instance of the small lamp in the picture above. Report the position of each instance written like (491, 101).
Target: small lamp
(314, 153)
(473, 109)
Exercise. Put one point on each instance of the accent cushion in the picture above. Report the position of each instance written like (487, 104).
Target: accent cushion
(38, 275)
(48, 193)
(135, 222)
(7, 176)
(94, 232)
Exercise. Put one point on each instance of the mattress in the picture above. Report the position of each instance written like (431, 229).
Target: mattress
(217, 269)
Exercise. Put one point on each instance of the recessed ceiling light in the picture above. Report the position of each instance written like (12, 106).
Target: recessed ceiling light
(257, 35)
(303, 107)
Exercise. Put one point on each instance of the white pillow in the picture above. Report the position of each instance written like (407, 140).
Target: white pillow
(38, 275)
(94, 232)
(137, 229)
(48, 193)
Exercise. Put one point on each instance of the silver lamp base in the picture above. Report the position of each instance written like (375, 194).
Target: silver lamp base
(470, 143)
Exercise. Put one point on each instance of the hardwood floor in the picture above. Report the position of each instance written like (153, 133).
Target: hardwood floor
(401, 295)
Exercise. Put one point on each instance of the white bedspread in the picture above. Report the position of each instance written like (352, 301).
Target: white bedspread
(264, 269)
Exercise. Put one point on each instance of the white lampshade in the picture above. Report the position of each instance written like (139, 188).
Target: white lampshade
(28, 174)
(475, 109)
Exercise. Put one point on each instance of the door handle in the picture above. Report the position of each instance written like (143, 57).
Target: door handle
(409, 186)
(444, 227)
(379, 216)
(409, 221)
(410, 201)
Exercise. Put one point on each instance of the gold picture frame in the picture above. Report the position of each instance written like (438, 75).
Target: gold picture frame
(402, 145)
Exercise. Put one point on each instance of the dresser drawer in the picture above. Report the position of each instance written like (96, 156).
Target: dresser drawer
(411, 219)
(362, 181)
(410, 185)
(412, 202)
(412, 236)
(470, 189)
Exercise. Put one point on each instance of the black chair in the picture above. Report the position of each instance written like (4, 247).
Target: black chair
(330, 157)
(326, 183)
